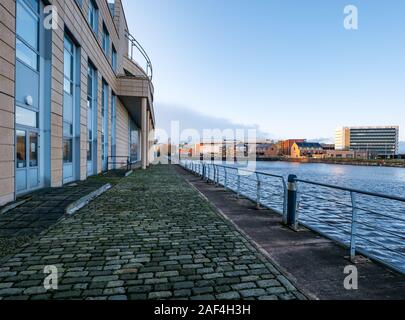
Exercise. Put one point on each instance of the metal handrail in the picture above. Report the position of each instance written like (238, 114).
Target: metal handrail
(351, 225)
(128, 162)
(367, 193)
(135, 44)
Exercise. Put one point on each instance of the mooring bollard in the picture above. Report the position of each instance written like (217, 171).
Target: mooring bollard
(292, 202)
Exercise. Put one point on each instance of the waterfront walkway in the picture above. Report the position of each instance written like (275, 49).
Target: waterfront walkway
(152, 236)
(315, 263)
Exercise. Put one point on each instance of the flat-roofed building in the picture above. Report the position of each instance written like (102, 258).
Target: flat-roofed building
(375, 141)
(342, 139)
(71, 94)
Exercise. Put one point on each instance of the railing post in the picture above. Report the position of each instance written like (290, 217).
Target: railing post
(258, 191)
(285, 202)
(354, 228)
(292, 202)
(226, 178)
(239, 191)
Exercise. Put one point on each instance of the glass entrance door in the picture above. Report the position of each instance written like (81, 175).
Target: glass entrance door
(27, 171)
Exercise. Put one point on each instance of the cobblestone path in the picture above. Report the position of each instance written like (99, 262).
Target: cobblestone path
(150, 237)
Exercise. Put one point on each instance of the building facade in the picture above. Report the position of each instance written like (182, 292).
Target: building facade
(307, 150)
(267, 150)
(345, 154)
(342, 139)
(375, 141)
(71, 96)
(286, 145)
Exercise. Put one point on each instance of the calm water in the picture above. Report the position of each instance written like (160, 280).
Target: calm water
(376, 179)
(381, 223)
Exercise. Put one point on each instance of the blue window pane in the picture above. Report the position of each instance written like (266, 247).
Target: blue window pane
(26, 55)
(67, 129)
(68, 65)
(68, 86)
(27, 25)
(26, 117)
(114, 59)
(33, 149)
(67, 150)
(34, 4)
(21, 149)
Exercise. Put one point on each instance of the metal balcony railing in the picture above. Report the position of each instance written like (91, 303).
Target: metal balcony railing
(367, 223)
(135, 46)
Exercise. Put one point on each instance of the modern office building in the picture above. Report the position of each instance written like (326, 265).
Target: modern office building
(375, 141)
(71, 94)
(342, 139)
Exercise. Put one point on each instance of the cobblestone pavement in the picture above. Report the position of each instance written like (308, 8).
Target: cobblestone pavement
(150, 237)
(42, 209)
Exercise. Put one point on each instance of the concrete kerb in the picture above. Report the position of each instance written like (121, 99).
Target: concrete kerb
(84, 201)
(13, 206)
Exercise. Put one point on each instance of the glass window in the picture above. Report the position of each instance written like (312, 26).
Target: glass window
(68, 68)
(133, 141)
(67, 151)
(34, 4)
(89, 120)
(67, 86)
(26, 55)
(21, 149)
(68, 65)
(106, 41)
(89, 151)
(91, 86)
(33, 149)
(68, 112)
(93, 16)
(27, 24)
(26, 117)
(67, 129)
(114, 59)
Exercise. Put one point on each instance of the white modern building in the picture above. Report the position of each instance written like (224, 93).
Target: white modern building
(376, 141)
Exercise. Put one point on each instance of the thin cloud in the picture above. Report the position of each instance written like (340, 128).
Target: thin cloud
(190, 119)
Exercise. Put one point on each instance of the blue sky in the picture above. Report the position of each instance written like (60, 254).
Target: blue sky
(287, 66)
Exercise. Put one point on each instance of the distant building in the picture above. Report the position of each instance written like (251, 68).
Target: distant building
(267, 150)
(342, 139)
(345, 154)
(376, 141)
(327, 146)
(307, 150)
(286, 145)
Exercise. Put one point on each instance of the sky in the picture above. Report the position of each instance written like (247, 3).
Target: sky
(287, 67)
